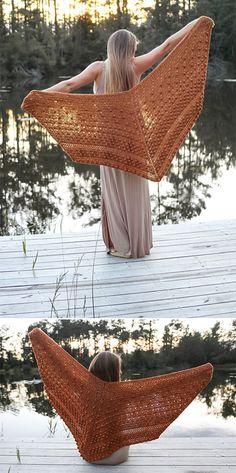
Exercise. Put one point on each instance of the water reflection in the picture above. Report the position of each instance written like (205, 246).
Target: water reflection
(148, 347)
(39, 184)
(26, 398)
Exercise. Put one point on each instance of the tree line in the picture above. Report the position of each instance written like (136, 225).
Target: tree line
(154, 352)
(36, 46)
(177, 347)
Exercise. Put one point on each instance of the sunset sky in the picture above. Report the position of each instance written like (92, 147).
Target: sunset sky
(76, 8)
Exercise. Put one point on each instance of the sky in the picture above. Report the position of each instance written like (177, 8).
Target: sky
(69, 8)
(201, 324)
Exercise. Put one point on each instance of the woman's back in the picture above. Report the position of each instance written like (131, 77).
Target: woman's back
(99, 83)
(126, 211)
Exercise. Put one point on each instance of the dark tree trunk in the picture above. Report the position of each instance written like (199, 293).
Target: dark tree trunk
(13, 20)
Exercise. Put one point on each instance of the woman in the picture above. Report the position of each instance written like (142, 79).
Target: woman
(104, 414)
(107, 366)
(126, 211)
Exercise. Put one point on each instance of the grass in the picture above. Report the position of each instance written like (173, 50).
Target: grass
(35, 260)
(56, 294)
(84, 306)
(24, 247)
(71, 289)
(66, 430)
(71, 293)
(94, 257)
(18, 456)
(74, 291)
(52, 427)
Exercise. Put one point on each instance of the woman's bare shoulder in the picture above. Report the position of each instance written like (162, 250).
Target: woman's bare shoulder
(96, 67)
(136, 69)
(99, 65)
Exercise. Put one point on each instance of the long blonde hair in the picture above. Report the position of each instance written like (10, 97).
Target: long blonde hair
(119, 71)
(106, 366)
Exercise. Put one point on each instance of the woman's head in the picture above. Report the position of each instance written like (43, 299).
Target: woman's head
(106, 366)
(121, 49)
(121, 44)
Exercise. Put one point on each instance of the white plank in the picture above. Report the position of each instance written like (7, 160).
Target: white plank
(133, 461)
(134, 287)
(165, 455)
(76, 242)
(134, 291)
(9, 454)
(175, 278)
(120, 266)
(217, 310)
(190, 272)
(212, 294)
(117, 469)
(85, 259)
(180, 228)
(161, 443)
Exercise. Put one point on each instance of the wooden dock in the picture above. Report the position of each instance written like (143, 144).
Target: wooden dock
(191, 272)
(166, 455)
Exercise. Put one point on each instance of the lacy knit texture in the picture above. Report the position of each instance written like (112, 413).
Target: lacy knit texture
(139, 130)
(105, 416)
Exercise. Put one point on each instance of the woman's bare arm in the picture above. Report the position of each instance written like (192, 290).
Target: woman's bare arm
(85, 77)
(142, 63)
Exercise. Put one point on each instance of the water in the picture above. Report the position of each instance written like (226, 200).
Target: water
(42, 189)
(25, 412)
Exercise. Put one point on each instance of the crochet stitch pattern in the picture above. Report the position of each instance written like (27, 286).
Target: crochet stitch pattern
(105, 416)
(139, 130)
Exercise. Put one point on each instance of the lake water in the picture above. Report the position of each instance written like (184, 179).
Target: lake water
(43, 190)
(25, 412)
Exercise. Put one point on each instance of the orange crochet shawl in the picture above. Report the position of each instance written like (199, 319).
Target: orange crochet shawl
(139, 130)
(105, 416)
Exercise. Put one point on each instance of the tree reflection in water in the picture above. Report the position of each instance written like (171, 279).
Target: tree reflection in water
(39, 183)
(220, 395)
(207, 152)
(145, 350)
(220, 392)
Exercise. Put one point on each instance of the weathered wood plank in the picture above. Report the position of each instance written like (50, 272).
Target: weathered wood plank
(198, 257)
(118, 267)
(118, 469)
(133, 461)
(163, 442)
(55, 246)
(123, 273)
(135, 291)
(65, 453)
(171, 298)
(166, 455)
(224, 309)
(181, 228)
(148, 310)
(14, 263)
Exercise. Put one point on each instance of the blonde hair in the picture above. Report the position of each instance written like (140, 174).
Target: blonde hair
(106, 366)
(119, 71)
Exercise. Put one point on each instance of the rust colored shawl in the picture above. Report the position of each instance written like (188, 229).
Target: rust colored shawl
(139, 130)
(105, 416)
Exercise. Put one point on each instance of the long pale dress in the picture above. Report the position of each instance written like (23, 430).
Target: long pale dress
(126, 209)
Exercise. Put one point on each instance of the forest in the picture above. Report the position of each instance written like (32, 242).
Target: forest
(142, 345)
(38, 40)
(147, 348)
(37, 48)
